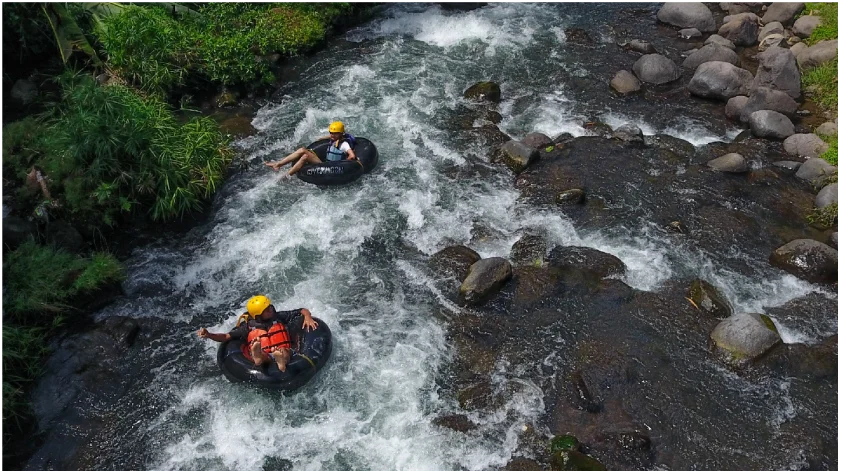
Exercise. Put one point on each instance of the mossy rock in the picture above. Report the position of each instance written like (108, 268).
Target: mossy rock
(563, 443)
(709, 299)
(485, 90)
(575, 461)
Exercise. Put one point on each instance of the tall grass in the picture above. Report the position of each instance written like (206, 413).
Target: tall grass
(824, 80)
(828, 29)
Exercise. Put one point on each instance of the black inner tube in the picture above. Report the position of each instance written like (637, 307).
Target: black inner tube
(340, 172)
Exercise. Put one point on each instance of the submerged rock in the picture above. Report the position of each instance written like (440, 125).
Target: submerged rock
(484, 91)
(807, 259)
(591, 260)
(745, 337)
(454, 261)
(709, 299)
(484, 280)
(571, 196)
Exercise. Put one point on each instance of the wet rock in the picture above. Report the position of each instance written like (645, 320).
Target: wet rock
(815, 171)
(679, 147)
(16, 231)
(827, 129)
(742, 32)
(798, 48)
(721, 41)
(493, 116)
(23, 92)
(534, 284)
(807, 259)
(764, 176)
(689, 33)
(818, 362)
(827, 196)
(734, 107)
(814, 56)
(577, 36)
(484, 280)
(238, 126)
(575, 461)
(599, 128)
(805, 25)
(457, 422)
(584, 393)
(745, 337)
(522, 464)
(625, 83)
(641, 46)
(629, 133)
(484, 91)
(770, 124)
(517, 156)
(591, 260)
(687, 15)
(656, 69)
(676, 227)
(808, 145)
(782, 12)
(454, 261)
(709, 299)
(775, 27)
(770, 41)
(711, 52)
(564, 443)
(536, 140)
(529, 250)
(730, 162)
(764, 98)
(787, 165)
(492, 135)
(720, 80)
(571, 196)
(226, 98)
(778, 70)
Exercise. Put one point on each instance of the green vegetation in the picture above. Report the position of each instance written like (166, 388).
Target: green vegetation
(831, 155)
(38, 283)
(824, 80)
(828, 29)
(825, 217)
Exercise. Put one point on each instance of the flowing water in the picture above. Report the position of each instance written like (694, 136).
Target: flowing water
(356, 255)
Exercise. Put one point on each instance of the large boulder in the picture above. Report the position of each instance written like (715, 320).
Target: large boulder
(764, 98)
(530, 250)
(625, 83)
(517, 155)
(818, 54)
(775, 27)
(720, 80)
(782, 12)
(687, 15)
(778, 70)
(454, 261)
(485, 279)
(587, 260)
(711, 52)
(656, 69)
(721, 41)
(734, 107)
(815, 171)
(730, 162)
(745, 337)
(742, 32)
(484, 91)
(827, 196)
(536, 140)
(630, 133)
(809, 145)
(805, 25)
(770, 124)
(811, 260)
(709, 299)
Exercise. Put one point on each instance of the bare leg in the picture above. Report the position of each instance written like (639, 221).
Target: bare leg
(257, 353)
(281, 357)
(276, 165)
(308, 157)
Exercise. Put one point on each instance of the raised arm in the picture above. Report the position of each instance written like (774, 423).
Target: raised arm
(216, 337)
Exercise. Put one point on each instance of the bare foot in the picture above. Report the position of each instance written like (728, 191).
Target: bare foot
(281, 357)
(257, 353)
(273, 165)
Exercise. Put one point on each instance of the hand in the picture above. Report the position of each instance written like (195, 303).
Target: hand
(310, 324)
(352, 158)
(202, 333)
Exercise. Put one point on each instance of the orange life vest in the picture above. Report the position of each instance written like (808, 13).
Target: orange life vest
(276, 337)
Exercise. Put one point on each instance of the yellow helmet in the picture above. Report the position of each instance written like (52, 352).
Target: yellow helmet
(257, 304)
(336, 127)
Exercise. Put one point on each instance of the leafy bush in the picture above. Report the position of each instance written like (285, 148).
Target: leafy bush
(828, 29)
(110, 149)
(21, 146)
(102, 268)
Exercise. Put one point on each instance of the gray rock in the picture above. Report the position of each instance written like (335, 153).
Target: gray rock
(771, 124)
(517, 156)
(787, 165)
(778, 70)
(827, 196)
(798, 48)
(625, 82)
(734, 107)
(770, 41)
(530, 250)
(808, 145)
(810, 260)
(709, 299)
(629, 133)
(834, 239)
(815, 171)
(687, 15)
(17, 231)
(688, 33)
(656, 69)
(641, 46)
(590, 260)
(720, 80)
(734, 8)
(745, 337)
(720, 40)
(571, 196)
(484, 91)
(454, 261)
(805, 25)
(775, 27)
(711, 52)
(763, 98)
(730, 162)
(485, 279)
(818, 54)
(827, 129)
(742, 32)
(738, 16)
(536, 140)
(782, 12)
